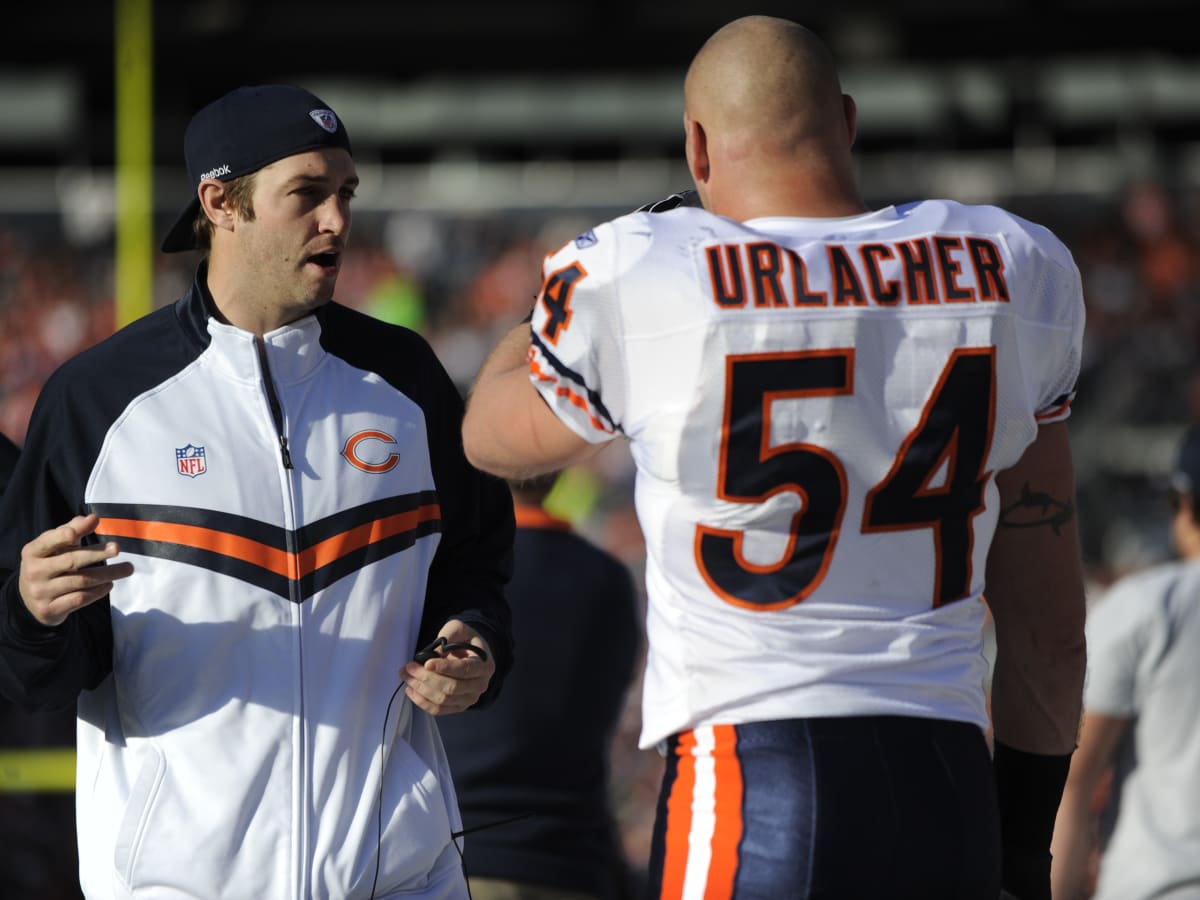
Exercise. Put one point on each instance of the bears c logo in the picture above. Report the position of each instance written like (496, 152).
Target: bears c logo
(351, 452)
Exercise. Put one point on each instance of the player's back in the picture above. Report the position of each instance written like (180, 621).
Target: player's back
(816, 408)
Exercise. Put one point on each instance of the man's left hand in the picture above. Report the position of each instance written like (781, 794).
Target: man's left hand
(453, 681)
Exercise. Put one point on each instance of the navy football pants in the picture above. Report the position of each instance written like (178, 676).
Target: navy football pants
(866, 808)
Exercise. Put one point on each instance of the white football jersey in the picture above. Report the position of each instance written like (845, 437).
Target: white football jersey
(816, 408)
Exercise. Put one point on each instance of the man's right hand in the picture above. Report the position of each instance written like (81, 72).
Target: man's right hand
(59, 575)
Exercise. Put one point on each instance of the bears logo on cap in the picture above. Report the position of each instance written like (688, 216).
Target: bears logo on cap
(325, 118)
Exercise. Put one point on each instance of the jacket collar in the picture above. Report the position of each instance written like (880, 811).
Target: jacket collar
(293, 351)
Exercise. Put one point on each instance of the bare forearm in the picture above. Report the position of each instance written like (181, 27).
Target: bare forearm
(1076, 831)
(1037, 689)
(1035, 590)
(1072, 846)
(508, 430)
(488, 405)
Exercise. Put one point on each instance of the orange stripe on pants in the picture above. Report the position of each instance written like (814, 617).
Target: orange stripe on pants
(728, 813)
(726, 800)
(679, 819)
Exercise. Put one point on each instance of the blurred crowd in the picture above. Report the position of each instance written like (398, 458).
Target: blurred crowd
(462, 281)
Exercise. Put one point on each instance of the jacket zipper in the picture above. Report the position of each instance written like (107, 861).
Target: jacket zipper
(302, 762)
(273, 399)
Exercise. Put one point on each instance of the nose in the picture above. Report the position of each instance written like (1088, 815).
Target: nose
(335, 215)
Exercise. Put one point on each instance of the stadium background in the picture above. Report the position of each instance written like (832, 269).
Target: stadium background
(487, 133)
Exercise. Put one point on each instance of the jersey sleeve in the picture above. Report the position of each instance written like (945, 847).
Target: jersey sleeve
(1056, 401)
(1059, 316)
(575, 359)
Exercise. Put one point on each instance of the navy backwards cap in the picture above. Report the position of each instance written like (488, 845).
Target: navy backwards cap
(1185, 479)
(247, 129)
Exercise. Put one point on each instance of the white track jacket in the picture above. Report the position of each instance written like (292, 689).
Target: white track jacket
(300, 518)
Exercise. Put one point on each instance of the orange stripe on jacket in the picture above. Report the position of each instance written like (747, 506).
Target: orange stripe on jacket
(280, 562)
(679, 819)
(251, 551)
(334, 548)
(728, 813)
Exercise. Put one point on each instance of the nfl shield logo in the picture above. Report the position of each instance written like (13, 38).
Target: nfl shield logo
(190, 460)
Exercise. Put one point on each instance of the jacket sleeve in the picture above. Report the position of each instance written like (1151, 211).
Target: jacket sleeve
(473, 563)
(8, 460)
(44, 667)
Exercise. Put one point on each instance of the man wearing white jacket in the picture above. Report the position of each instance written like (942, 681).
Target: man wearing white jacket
(235, 524)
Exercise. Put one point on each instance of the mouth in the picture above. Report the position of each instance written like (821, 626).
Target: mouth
(327, 262)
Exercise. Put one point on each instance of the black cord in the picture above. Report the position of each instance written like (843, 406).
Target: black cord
(438, 647)
(454, 836)
(457, 834)
(517, 817)
(379, 805)
(462, 861)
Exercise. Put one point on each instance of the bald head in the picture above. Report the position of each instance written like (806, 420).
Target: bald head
(764, 104)
(765, 79)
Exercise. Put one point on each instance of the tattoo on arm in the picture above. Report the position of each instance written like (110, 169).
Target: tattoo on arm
(1035, 508)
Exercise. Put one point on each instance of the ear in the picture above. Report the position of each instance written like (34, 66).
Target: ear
(696, 149)
(1185, 530)
(1187, 506)
(214, 200)
(850, 111)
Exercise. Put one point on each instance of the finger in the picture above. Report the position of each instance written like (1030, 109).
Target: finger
(438, 693)
(459, 664)
(424, 695)
(448, 688)
(432, 707)
(460, 652)
(441, 707)
(85, 558)
(60, 608)
(456, 631)
(427, 682)
(98, 576)
(44, 573)
(64, 537)
(51, 599)
(40, 576)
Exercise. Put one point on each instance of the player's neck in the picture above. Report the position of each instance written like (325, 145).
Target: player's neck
(813, 197)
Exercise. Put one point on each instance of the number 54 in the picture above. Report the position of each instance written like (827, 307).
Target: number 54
(953, 436)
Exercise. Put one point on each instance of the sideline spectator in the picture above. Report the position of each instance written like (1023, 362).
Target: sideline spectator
(1141, 709)
(532, 770)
